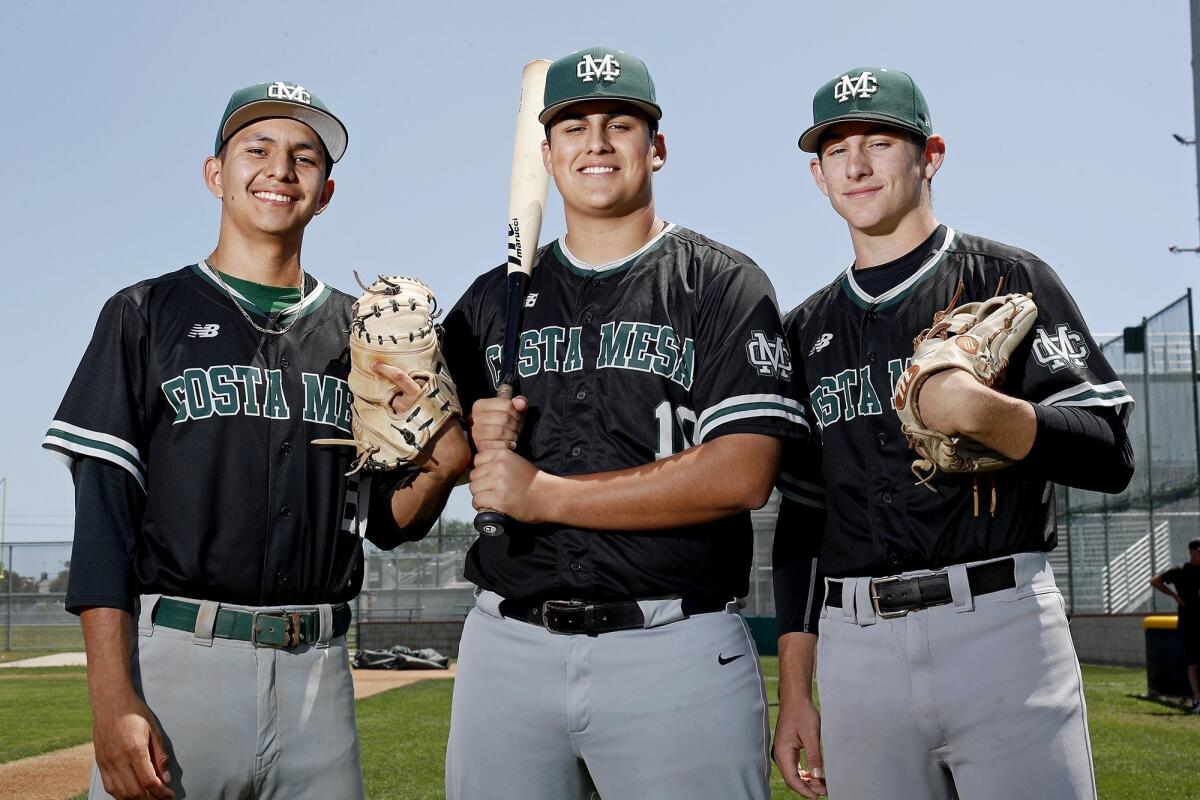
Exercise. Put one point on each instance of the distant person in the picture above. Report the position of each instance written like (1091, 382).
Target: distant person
(1186, 580)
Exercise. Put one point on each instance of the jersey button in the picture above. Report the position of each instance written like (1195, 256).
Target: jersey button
(286, 511)
(286, 447)
(871, 357)
(576, 566)
(576, 451)
(871, 317)
(281, 576)
(581, 395)
(887, 498)
(587, 316)
(882, 439)
(283, 362)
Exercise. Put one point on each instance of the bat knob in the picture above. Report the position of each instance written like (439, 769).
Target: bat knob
(490, 523)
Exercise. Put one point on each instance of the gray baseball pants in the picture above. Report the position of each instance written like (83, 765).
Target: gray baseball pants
(979, 699)
(245, 722)
(676, 710)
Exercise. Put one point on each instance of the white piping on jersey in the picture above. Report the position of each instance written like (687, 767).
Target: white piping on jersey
(295, 308)
(812, 592)
(929, 264)
(133, 463)
(1104, 394)
(761, 405)
(576, 262)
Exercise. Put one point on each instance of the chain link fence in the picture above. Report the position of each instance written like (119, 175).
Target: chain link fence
(1110, 545)
(33, 586)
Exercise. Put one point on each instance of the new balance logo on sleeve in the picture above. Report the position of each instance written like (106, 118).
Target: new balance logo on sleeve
(199, 331)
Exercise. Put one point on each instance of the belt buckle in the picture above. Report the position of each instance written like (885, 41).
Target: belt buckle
(877, 582)
(292, 632)
(560, 606)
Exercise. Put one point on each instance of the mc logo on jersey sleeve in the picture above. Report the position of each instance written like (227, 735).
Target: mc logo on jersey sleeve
(769, 355)
(1065, 347)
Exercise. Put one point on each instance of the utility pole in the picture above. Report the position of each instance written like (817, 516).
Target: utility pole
(1183, 140)
(1195, 5)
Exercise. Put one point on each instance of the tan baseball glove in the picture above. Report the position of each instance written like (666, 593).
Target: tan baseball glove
(978, 338)
(393, 324)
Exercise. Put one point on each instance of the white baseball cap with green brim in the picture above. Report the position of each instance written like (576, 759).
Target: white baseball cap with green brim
(282, 99)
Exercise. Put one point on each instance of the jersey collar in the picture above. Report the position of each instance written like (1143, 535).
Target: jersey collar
(309, 303)
(586, 270)
(901, 290)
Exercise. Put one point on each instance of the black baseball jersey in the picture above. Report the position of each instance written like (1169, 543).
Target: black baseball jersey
(678, 345)
(212, 420)
(850, 348)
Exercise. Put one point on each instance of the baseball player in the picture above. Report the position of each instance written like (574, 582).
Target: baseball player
(606, 655)
(945, 665)
(1184, 587)
(215, 548)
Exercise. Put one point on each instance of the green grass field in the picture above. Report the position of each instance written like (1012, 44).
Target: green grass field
(1142, 747)
(39, 637)
(43, 710)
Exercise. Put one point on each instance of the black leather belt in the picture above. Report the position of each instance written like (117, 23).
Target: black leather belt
(282, 629)
(593, 619)
(895, 597)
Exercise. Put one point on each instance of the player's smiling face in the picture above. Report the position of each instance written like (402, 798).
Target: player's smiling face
(875, 176)
(270, 178)
(602, 158)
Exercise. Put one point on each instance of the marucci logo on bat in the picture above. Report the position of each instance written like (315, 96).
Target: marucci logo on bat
(514, 242)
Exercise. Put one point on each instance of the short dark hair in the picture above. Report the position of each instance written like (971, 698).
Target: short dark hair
(1194, 544)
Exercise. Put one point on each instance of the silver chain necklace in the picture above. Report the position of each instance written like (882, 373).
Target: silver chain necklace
(217, 274)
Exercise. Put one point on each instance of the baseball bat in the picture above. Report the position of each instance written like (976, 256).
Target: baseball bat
(526, 207)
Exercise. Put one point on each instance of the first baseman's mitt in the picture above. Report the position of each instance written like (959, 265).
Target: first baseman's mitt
(978, 338)
(393, 324)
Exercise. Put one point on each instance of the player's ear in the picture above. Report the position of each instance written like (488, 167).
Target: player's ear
(212, 176)
(658, 155)
(546, 157)
(814, 166)
(326, 196)
(935, 154)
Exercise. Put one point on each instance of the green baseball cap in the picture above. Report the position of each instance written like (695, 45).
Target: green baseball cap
(871, 94)
(282, 99)
(598, 73)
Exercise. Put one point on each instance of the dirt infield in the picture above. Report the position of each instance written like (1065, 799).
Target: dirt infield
(65, 773)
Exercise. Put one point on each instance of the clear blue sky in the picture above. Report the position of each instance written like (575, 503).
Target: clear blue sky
(1058, 118)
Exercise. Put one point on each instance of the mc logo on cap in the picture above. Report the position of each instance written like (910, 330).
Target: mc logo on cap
(848, 88)
(598, 73)
(282, 91)
(868, 94)
(588, 69)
